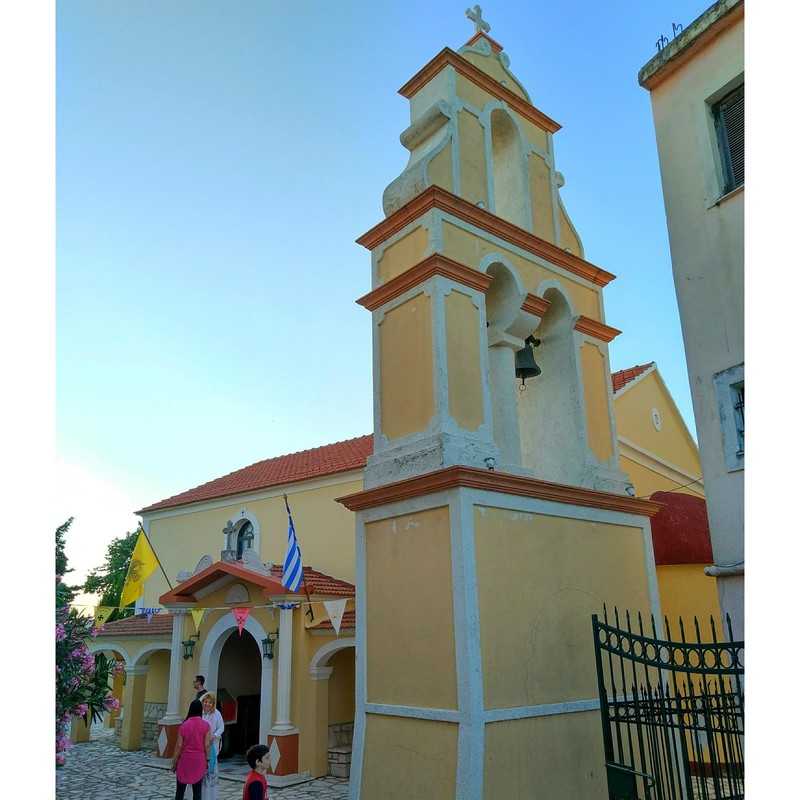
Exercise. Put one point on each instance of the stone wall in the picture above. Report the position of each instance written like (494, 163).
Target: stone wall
(340, 749)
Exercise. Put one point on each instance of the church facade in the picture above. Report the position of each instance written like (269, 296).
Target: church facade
(507, 492)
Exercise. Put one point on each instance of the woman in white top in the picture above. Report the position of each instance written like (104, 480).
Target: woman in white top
(214, 719)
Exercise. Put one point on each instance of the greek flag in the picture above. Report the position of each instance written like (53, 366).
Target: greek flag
(293, 563)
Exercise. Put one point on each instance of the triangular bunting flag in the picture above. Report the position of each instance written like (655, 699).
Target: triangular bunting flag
(241, 615)
(197, 616)
(101, 614)
(335, 609)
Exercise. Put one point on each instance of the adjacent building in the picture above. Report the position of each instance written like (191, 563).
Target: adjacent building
(696, 85)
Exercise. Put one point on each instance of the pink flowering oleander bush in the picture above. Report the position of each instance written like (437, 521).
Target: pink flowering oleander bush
(82, 677)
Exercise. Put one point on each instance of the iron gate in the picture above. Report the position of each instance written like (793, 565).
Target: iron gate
(672, 711)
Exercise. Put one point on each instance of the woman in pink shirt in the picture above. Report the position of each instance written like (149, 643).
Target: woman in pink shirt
(191, 752)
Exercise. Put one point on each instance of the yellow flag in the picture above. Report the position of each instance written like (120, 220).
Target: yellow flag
(101, 614)
(143, 562)
(197, 616)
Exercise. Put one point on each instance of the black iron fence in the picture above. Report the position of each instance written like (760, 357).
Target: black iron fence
(672, 710)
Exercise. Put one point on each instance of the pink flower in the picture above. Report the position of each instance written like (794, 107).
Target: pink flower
(61, 634)
(60, 759)
(111, 703)
(81, 710)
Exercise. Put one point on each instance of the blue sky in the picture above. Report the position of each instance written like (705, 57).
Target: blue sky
(215, 163)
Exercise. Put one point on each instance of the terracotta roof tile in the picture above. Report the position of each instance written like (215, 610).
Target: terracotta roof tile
(315, 463)
(625, 376)
(138, 626)
(319, 582)
(348, 621)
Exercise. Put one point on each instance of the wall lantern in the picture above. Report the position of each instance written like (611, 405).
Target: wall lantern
(188, 646)
(268, 645)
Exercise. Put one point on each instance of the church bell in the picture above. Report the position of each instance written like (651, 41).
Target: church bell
(524, 362)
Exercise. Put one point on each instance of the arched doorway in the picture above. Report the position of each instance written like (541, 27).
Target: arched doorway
(239, 680)
(246, 651)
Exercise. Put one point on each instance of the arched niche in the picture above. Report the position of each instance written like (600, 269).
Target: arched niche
(509, 182)
(503, 310)
(552, 429)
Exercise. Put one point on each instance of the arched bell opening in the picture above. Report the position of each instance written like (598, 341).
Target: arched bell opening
(549, 409)
(503, 303)
(508, 170)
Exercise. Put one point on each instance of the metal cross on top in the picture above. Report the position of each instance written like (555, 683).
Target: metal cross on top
(474, 14)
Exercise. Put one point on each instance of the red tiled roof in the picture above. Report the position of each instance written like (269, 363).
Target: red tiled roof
(680, 530)
(138, 626)
(319, 582)
(625, 376)
(348, 621)
(315, 463)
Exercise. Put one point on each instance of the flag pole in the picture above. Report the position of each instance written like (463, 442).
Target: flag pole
(144, 533)
(305, 584)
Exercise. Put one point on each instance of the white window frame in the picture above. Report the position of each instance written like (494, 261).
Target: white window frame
(724, 383)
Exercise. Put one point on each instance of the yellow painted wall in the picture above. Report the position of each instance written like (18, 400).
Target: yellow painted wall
(569, 237)
(469, 249)
(157, 677)
(135, 645)
(406, 348)
(536, 136)
(474, 184)
(634, 421)
(686, 591)
(342, 687)
(409, 758)
(464, 377)
(541, 198)
(494, 69)
(545, 576)
(410, 647)
(562, 756)
(440, 168)
(403, 254)
(595, 397)
(324, 528)
(646, 481)
(478, 98)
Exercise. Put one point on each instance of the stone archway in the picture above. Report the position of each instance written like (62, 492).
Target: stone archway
(140, 723)
(209, 663)
(321, 671)
(119, 653)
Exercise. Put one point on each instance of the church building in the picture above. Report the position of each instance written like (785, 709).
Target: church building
(512, 485)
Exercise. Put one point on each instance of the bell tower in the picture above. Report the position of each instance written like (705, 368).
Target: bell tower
(494, 519)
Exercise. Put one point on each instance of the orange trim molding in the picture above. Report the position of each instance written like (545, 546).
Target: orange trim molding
(496, 46)
(592, 327)
(436, 197)
(491, 481)
(448, 57)
(435, 264)
(535, 305)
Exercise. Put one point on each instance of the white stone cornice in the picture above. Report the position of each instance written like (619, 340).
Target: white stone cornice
(655, 463)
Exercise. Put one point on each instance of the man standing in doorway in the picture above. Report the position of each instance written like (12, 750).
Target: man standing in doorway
(199, 686)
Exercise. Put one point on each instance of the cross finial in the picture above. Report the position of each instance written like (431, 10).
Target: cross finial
(474, 14)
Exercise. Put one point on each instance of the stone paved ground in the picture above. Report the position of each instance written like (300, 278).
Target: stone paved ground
(99, 770)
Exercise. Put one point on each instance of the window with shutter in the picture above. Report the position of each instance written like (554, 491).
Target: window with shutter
(729, 121)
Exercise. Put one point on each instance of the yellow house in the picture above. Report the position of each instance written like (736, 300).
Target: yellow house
(656, 451)
(494, 507)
